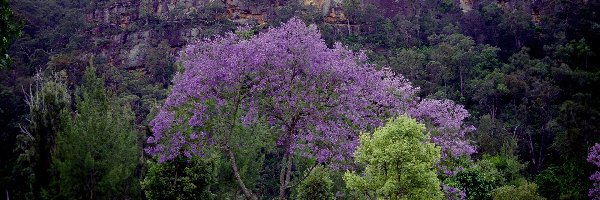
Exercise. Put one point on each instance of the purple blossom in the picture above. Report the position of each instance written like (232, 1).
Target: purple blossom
(317, 99)
(453, 193)
(594, 158)
(445, 122)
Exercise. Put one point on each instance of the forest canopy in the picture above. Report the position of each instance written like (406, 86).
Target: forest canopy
(350, 99)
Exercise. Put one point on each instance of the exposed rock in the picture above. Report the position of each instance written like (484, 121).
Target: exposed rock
(466, 5)
(121, 29)
(135, 57)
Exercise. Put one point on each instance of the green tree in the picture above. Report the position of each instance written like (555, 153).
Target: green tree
(181, 179)
(317, 185)
(563, 181)
(9, 29)
(508, 167)
(160, 63)
(476, 183)
(453, 54)
(483, 176)
(399, 159)
(525, 191)
(97, 153)
(38, 140)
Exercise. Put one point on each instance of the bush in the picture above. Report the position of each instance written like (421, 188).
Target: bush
(180, 179)
(526, 191)
(509, 167)
(318, 185)
(476, 183)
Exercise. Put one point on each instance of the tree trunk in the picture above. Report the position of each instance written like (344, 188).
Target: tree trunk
(288, 174)
(462, 90)
(282, 176)
(247, 193)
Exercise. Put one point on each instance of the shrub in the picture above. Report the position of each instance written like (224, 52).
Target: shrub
(318, 185)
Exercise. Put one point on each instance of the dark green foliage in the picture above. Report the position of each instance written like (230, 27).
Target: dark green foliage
(97, 153)
(291, 9)
(493, 138)
(563, 182)
(9, 30)
(160, 64)
(139, 90)
(12, 106)
(38, 141)
(529, 82)
(317, 185)
(181, 179)
(476, 183)
(257, 158)
(488, 173)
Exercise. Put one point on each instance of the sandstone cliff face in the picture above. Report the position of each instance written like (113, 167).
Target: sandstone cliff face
(123, 30)
(466, 5)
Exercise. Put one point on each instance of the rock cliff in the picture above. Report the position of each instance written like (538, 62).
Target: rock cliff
(123, 30)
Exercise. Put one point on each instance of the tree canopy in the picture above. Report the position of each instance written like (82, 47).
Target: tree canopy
(399, 162)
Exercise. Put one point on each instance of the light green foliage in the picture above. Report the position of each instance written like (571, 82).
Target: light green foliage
(96, 153)
(525, 191)
(508, 167)
(399, 160)
(318, 185)
(181, 179)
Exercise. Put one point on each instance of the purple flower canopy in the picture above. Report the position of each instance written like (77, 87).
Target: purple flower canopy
(594, 158)
(317, 98)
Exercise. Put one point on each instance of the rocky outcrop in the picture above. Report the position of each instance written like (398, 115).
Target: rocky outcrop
(123, 29)
(466, 5)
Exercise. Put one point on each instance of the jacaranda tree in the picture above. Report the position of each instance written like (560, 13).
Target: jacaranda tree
(315, 99)
(594, 158)
(445, 121)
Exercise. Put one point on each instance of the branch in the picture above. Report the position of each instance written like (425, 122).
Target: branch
(247, 193)
(305, 176)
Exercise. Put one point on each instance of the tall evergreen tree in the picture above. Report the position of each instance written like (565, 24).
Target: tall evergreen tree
(96, 154)
(37, 140)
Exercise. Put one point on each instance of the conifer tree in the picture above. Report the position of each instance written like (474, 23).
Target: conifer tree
(96, 154)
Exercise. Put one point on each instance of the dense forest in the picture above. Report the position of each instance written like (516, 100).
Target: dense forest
(300, 99)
